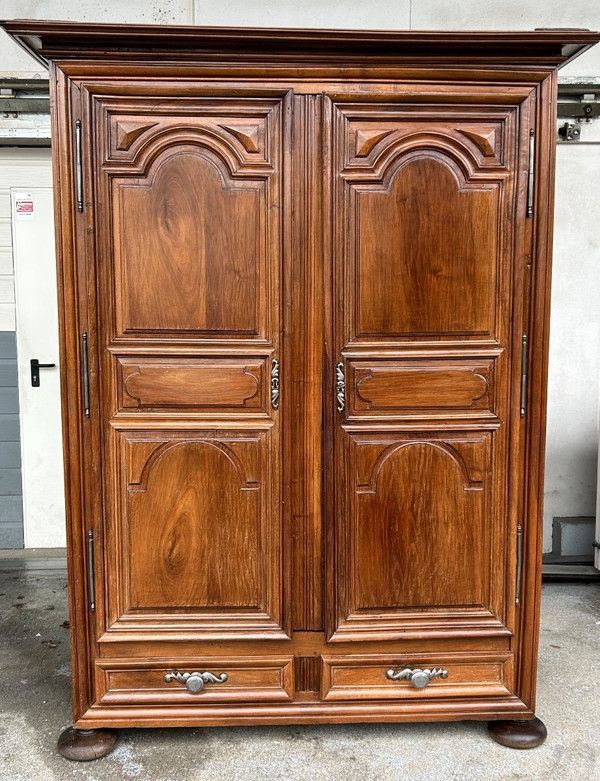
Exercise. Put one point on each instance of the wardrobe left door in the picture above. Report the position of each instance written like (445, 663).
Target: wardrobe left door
(186, 190)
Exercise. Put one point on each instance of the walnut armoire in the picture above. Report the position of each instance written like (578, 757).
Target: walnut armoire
(304, 294)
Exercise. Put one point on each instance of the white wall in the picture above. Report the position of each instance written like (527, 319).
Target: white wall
(575, 337)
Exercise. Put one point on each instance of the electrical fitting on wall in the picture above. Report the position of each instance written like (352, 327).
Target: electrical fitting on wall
(578, 106)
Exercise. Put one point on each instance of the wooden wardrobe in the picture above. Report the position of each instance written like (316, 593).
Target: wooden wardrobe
(304, 289)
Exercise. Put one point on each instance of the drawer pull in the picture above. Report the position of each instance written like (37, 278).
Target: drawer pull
(195, 681)
(419, 678)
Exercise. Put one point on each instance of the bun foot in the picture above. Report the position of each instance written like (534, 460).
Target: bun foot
(518, 734)
(83, 745)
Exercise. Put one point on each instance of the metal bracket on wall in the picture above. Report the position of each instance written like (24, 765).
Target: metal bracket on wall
(581, 104)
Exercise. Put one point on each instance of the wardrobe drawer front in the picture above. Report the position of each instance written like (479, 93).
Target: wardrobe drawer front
(366, 677)
(256, 679)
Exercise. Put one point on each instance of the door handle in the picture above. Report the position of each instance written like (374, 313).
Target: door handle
(35, 371)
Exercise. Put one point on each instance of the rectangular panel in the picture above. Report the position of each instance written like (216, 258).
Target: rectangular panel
(192, 192)
(262, 679)
(206, 385)
(453, 388)
(418, 535)
(475, 674)
(422, 230)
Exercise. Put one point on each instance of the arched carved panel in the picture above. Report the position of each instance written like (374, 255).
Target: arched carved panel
(196, 529)
(191, 251)
(412, 510)
(245, 138)
(419, 513)
(368, 144)
(194, 534)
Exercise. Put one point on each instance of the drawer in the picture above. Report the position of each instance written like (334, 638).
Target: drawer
(474, 674)
(237, 679)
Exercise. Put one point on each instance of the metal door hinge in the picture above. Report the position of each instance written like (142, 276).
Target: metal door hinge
(85, 374)
(531, 174)
(519, 564)
(523, 373)
(275, 383)
(78, 166)
(340, 385)
(91, 576)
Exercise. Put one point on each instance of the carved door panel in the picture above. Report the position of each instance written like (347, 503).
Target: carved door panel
(189, 192)
(428, 201)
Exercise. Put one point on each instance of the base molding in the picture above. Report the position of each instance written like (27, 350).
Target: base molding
(83, 745)
(518, 734)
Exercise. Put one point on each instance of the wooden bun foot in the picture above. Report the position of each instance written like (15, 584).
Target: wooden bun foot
(518, 734)
(84, 745)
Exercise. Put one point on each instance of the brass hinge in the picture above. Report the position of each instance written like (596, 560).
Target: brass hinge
(91, 576)
(531, 174)
(78, 166)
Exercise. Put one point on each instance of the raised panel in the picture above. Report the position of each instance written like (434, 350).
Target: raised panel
(419, 514)
(191, 248)
(191, 190)
(477, 674)
(418, 506)
(199, 534)
(194, 526)
(422, 227)
(421, 387)
(255, 679)
(425, 251)
(207, 385)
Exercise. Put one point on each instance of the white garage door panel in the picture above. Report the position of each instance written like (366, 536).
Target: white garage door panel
(37, 337)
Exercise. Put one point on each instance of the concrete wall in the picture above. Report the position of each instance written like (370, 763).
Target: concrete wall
(575, 340)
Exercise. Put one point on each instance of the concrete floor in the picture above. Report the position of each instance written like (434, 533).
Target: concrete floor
(35, 707)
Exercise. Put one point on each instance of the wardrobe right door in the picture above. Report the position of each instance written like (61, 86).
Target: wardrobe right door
(429, 230)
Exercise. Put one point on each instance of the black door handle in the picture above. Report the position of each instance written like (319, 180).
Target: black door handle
(35, 370)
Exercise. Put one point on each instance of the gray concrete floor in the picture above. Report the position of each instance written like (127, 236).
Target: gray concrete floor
(35, 707)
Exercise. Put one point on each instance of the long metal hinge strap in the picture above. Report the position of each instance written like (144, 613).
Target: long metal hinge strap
(85, 374)
(91, 576)
(523, 374)
(531, 173)
(340, 387)
(519, 564)
(78, 166)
